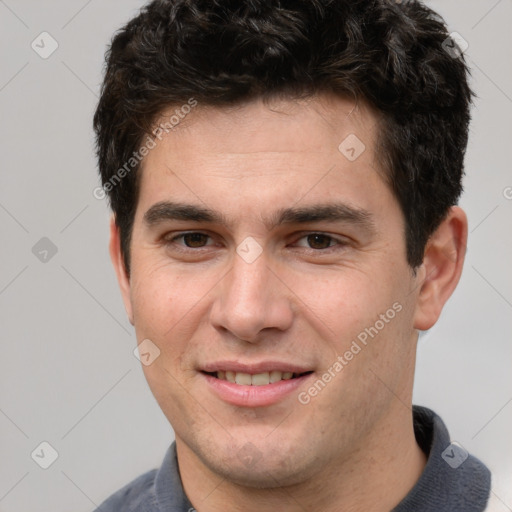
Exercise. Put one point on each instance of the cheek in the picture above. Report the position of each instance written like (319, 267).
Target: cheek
(163, 297)
(369, 320)
(346, 300)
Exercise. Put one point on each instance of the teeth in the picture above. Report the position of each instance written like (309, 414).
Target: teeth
(257, 379)
(260, 379)
(243, 378)
(275, 376)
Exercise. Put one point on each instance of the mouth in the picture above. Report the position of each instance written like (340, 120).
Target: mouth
(255, 385)
(255, 379)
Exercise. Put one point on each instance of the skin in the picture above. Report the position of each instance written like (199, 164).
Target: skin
(352, 446)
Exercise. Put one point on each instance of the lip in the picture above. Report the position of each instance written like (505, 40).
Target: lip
(252, 368)
(254, 396)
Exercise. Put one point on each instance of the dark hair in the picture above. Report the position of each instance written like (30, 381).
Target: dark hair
(392, 54)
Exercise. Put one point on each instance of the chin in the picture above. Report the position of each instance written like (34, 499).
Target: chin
(263, 476)
(258, 464)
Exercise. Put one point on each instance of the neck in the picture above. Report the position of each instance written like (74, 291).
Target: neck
(376, 475)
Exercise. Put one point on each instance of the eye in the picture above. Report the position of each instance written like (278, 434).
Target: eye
(193, 240)
(321, 241)
(314, 242)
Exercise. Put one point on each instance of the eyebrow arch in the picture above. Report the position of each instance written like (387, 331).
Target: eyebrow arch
(329, 212)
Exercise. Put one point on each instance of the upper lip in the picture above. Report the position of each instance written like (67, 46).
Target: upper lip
(254, 368)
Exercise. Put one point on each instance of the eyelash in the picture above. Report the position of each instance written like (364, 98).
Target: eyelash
(338, 242)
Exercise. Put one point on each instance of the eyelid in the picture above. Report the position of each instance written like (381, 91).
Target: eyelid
(171, 238)
(340, 241)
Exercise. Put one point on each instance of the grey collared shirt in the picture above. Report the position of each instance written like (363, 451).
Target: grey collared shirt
(452, 481)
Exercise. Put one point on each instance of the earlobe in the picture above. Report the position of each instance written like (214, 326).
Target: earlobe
(441, 268)
(116, 256)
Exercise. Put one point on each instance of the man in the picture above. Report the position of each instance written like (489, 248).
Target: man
(284, 178)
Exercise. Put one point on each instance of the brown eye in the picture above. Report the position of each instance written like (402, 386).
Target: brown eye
(320, 244)
(319, 241)
(184, 241)
(194, 240)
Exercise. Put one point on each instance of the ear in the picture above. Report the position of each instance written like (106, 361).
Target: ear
(441, 267)
(116, 256)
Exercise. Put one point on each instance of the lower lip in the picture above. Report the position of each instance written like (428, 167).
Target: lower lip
(254, 396)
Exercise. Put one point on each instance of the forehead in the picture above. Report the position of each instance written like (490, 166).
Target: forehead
(274, 125)
(281, 150)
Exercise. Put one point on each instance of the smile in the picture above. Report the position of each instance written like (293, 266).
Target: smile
(258, 385)
(255, 379)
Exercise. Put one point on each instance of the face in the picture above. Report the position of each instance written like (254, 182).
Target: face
(265, 253)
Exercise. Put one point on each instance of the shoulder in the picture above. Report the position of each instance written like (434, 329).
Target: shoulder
(453, 480)
(137, 496)
(157, 490)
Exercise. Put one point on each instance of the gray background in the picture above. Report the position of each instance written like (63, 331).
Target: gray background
(68, 375)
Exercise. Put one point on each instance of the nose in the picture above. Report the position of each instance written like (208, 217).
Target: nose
(251, 301)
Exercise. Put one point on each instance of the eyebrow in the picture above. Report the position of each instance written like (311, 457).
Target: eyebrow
(328, 212)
